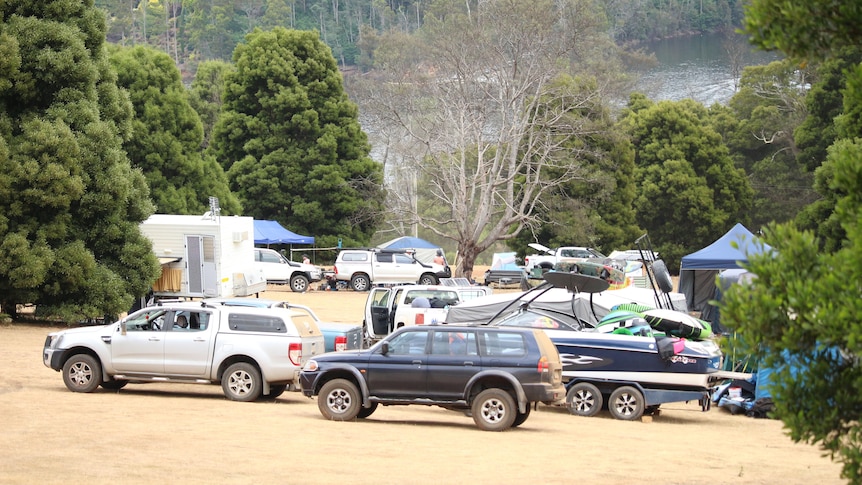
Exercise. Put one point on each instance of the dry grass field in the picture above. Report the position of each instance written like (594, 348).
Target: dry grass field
(192, 434)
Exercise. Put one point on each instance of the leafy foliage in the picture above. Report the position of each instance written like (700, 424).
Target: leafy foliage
(167, 136)
(291, 142)
(690, 191)
(801, 316)
(70, 203)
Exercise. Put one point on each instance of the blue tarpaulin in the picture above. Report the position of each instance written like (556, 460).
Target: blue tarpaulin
(271, 232)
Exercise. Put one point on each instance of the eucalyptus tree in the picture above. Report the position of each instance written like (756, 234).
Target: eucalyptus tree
(475, 100)
(290, 139)
(70, 202)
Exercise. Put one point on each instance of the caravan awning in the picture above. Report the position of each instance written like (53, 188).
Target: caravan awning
(169, 259)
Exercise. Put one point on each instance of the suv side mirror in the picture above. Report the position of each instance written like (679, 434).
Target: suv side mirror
(384, 348)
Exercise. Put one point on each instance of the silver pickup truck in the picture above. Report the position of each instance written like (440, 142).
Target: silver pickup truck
(251, 352)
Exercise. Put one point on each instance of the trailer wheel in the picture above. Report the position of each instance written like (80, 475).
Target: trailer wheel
(298, 283)
(584, 399)
(626, 403)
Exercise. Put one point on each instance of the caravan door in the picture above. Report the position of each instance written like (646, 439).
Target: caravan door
(200, 257)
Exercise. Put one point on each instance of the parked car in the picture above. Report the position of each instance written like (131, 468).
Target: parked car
(388, 309)
(337, 336)
(362, 268)
(494, 374)
(281, 271)
(251, 352)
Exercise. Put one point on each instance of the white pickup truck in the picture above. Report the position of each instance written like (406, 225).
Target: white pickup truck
(388, 309)
(547, 258)
(361, 268)
(251, 352)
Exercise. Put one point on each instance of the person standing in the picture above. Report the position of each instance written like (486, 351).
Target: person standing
(439, 259)
(305, 259)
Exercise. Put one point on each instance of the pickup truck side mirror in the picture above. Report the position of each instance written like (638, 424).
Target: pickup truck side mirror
(384, 348)
(122, 327)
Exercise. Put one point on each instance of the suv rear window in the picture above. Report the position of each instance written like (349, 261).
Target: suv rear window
(503, 344)
(256, 323)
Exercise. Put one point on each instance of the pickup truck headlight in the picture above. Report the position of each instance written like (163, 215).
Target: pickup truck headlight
(310, 366)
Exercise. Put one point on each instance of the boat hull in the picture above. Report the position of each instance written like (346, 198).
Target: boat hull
(627, 358)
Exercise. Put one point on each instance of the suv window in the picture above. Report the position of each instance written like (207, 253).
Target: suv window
(454, 343)
(409, 343)
(354, 256)
(267, 257)
(256, 323)
(504, 344)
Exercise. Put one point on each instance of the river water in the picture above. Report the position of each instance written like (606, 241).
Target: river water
(697, 67)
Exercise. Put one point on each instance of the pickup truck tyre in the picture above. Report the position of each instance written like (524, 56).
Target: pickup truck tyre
(298, 283)
(428, 279)
(521, 417)
(365, 412)
(275, 390)
(82, 373)
(114, 385)
(242, 382)
(360, 282)
(626, 403)
(584, 399)
(339, 400)
(494, 410)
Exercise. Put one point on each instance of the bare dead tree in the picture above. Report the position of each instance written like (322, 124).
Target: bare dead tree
(484, 124)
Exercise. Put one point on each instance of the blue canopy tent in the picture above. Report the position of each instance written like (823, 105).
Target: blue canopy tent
(698, 270)
(424, 250)
(271, 232)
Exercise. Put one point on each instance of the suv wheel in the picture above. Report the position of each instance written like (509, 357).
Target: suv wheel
(339, 400)
(360, 282)
(494, 410)
(428, 279)
(242, 382)
(584, 399)
(298, 283)
(82, 373)
(365, 412)
(521, 417)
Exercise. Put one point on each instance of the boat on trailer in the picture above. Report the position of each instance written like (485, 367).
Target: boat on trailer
(633, 368)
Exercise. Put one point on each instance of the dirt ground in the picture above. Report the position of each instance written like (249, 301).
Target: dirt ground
(192, 434)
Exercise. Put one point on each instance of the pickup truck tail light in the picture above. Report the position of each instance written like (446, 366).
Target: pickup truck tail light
(419, 319)
(544, 367)
(340, 343)
(294, 352)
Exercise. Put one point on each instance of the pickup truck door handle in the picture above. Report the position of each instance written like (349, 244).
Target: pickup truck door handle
(154, 339)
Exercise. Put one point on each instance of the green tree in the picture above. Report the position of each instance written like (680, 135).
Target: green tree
(801, 317)
(801, 314)
(757, 126)
(207, 94)
(803, 30)
(291, 142)
(70, 203)
(167, 136)
(690, 191)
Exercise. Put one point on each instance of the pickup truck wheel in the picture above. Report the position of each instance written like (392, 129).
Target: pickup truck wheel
(365, 412)
(298, 283)
(584, 399)
(114, 385)
(360, 282)
(339, 400)
(626, 403)
(494, 410)
(242, 382)
(82, 373)
(428, 280)
(521, 417)
(275, 390)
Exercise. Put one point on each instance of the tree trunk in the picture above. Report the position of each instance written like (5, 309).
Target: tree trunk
(467, 254)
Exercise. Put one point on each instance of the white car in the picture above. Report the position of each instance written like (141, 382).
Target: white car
(281, 271)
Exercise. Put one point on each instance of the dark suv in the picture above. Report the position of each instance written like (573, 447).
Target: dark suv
(494, 374)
